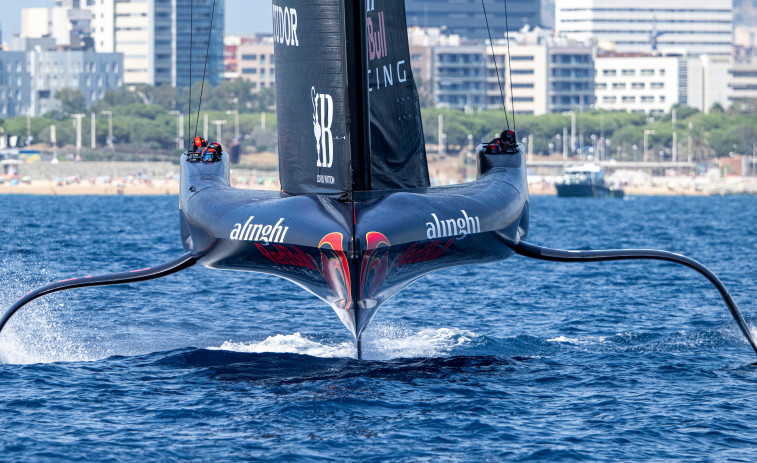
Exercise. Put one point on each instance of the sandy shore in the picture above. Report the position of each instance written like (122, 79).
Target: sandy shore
(171, 187)
(151, 179)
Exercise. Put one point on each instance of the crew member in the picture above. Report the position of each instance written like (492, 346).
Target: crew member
(199, 144)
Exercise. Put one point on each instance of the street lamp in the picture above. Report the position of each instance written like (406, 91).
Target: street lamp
(235, 112)
(646, 137)
(78, 118)
(110, 127)
(179, 128)
(219, 124)
(93, 136)
(572, 115)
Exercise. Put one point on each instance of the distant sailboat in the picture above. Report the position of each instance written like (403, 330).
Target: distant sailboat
(356, 220)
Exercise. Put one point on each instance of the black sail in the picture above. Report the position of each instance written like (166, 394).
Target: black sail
(311, 96)
(397, 147)
(326, 100)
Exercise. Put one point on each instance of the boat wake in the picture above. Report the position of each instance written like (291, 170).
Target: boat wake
(50, 342)
(383, 342)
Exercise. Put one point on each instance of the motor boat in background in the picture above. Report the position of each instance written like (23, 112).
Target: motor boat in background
(586, 181)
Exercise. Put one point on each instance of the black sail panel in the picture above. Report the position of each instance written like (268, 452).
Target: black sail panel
(397, 150)
(309, 47)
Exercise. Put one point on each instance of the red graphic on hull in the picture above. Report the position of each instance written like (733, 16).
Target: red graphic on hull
(417, 254)
(335, 268)
(284, 255)
(334, 264)
(375, 266)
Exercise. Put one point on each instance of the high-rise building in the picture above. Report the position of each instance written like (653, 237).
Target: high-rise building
(154, 37)
(693, 27)
(466, 17)
(201, 24)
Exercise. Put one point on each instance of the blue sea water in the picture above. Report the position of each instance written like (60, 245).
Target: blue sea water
(518, 360)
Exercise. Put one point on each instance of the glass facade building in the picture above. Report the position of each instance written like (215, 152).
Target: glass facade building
(466, 17)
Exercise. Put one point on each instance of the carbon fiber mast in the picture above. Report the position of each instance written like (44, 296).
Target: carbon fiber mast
(359, 126)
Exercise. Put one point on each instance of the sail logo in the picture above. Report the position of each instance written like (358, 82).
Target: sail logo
(377, 48)
(259, 233)
(385, 77)
(459, 227)
(323, 117)
(285, 26)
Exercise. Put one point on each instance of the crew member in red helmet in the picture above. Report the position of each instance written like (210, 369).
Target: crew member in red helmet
(199, 144)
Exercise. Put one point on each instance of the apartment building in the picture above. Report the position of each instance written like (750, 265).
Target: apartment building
(545, 77)
(637, 83)
(256, 63)
(653, 84)
(570, 77)
(89, 72)
(14, 84)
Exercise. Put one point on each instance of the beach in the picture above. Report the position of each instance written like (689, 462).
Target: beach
(162, 178)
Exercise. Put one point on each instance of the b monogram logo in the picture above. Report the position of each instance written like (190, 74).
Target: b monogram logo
(323, 116)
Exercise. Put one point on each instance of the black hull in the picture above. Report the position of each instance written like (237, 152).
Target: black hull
(577, 190)
(355, 254)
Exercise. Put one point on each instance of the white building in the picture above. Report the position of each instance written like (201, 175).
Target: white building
(743, 84)
(653, 84)
(637, 83)
(127, 28)
(528, 66)
(58, 23)
(154, 37)
(693, 27)
(256, 63)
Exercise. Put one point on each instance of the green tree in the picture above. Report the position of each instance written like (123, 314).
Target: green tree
(72, 101)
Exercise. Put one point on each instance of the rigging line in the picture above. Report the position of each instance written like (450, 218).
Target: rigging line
(191, 40)
(207, 52)
(510, 66)
(496, 67)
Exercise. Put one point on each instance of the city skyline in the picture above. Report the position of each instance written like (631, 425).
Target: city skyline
(240, 16)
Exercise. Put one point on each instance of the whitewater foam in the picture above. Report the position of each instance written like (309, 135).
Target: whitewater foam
(382, 342)
(291, 344)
